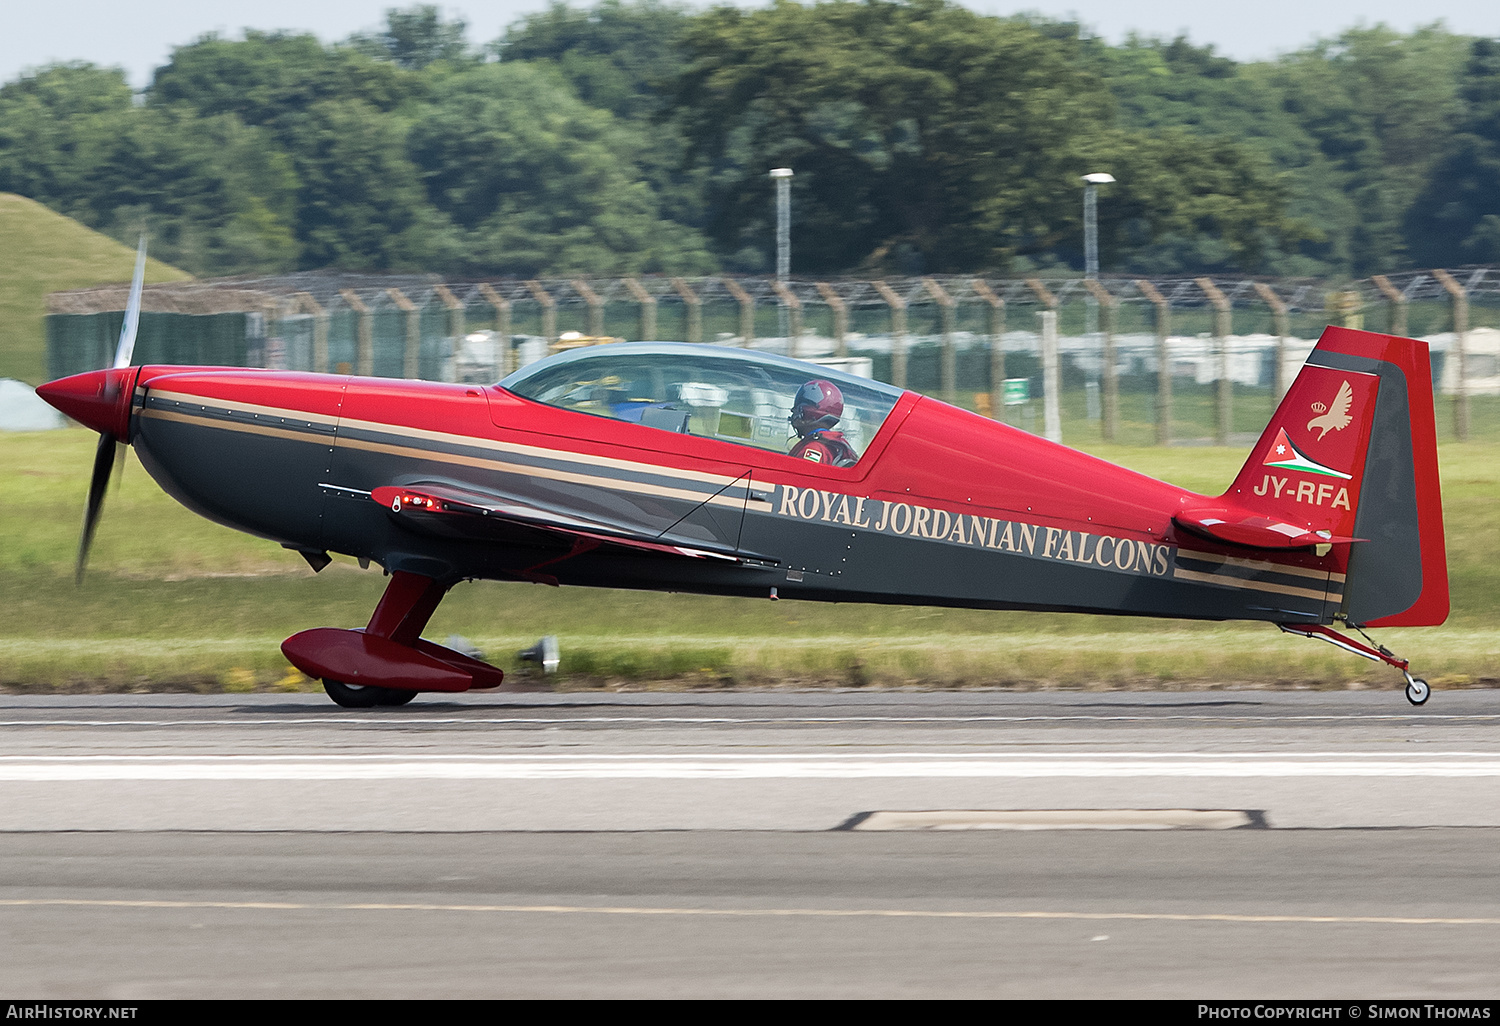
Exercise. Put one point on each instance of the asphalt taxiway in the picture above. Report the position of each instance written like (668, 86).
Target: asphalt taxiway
(1222, 844)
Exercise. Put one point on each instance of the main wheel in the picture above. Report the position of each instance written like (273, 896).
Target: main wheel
(365, 696)
(1417, 690)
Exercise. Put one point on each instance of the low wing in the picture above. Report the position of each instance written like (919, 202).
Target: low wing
(450, 511)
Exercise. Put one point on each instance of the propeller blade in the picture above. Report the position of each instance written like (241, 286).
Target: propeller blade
(126, 349)
(121, 451)
(104, 461)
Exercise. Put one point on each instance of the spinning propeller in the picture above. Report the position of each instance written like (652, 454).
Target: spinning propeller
(109, 457)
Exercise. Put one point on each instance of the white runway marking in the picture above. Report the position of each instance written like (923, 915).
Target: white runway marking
(819, 913)
(744, 767)
(416, 720)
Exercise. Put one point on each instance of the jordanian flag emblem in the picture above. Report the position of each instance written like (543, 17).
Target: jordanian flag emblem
(1284, 456)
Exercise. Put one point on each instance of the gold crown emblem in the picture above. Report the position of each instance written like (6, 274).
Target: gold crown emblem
(1320, 407)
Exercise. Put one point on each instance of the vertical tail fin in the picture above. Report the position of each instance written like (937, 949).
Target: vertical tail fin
(1362, 407)
(1350, 458)
(1304, 476)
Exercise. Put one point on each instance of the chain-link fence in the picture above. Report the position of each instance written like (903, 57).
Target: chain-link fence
(1131, 360)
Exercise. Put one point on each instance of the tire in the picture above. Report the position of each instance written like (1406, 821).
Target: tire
(365, 696)
(1417, 691)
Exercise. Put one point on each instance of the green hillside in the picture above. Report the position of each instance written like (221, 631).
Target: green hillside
(41, 252)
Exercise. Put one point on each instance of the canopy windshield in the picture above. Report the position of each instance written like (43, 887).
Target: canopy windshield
(733, 395)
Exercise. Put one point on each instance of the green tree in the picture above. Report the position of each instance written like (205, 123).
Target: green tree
(922, 135)
(1186, 204)
(416, 37)
(215, 196)
(273, 78)
(56, 124)
(1456, 219)
(1373, 102)
(1349, 124)
(622, 136)
(361, 203)
(618, 56)
(926, 137)
(622, 57)
(540, 181)
(337, 118)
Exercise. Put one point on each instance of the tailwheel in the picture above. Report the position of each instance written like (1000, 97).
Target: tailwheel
(365, 696)
(1417, 690)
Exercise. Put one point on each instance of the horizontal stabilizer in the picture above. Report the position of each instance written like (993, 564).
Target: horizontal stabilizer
(1243, 527)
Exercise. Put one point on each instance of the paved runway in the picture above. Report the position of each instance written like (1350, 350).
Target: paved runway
(820, 843)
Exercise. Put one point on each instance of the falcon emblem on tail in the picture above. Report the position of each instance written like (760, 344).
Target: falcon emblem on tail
(1337, 416)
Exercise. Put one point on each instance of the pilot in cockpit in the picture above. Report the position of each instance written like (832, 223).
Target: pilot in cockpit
(815, 410)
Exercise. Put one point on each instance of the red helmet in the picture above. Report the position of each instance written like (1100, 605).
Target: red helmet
(819, 404)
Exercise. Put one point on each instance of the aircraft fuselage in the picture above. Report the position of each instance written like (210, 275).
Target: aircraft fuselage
(1005, 521)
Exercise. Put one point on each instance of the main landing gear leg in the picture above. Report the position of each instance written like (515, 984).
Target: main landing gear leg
(389, 661)
(403, 611)
(1417, 691)
(408, 603)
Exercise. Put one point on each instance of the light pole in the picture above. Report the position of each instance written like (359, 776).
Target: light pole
(1091, 183)
(783, 179)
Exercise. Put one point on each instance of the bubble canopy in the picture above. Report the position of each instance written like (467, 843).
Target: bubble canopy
(731, 395)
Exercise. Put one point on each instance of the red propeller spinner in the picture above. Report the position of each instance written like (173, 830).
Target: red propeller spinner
(96, 399)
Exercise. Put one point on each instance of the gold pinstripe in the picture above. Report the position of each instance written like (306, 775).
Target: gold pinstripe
(1240, 582)
(490, 463)
(530, 471)
(1255, 564)
(532, 450)
(249, 429)
(719, 480)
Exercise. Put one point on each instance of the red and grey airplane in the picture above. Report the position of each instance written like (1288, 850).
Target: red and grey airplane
(699, 468)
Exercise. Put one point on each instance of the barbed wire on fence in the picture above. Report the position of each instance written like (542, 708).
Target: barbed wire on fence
(329, 290)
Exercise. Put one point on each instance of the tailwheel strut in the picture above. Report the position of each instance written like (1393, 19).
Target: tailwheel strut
(1417, 691)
